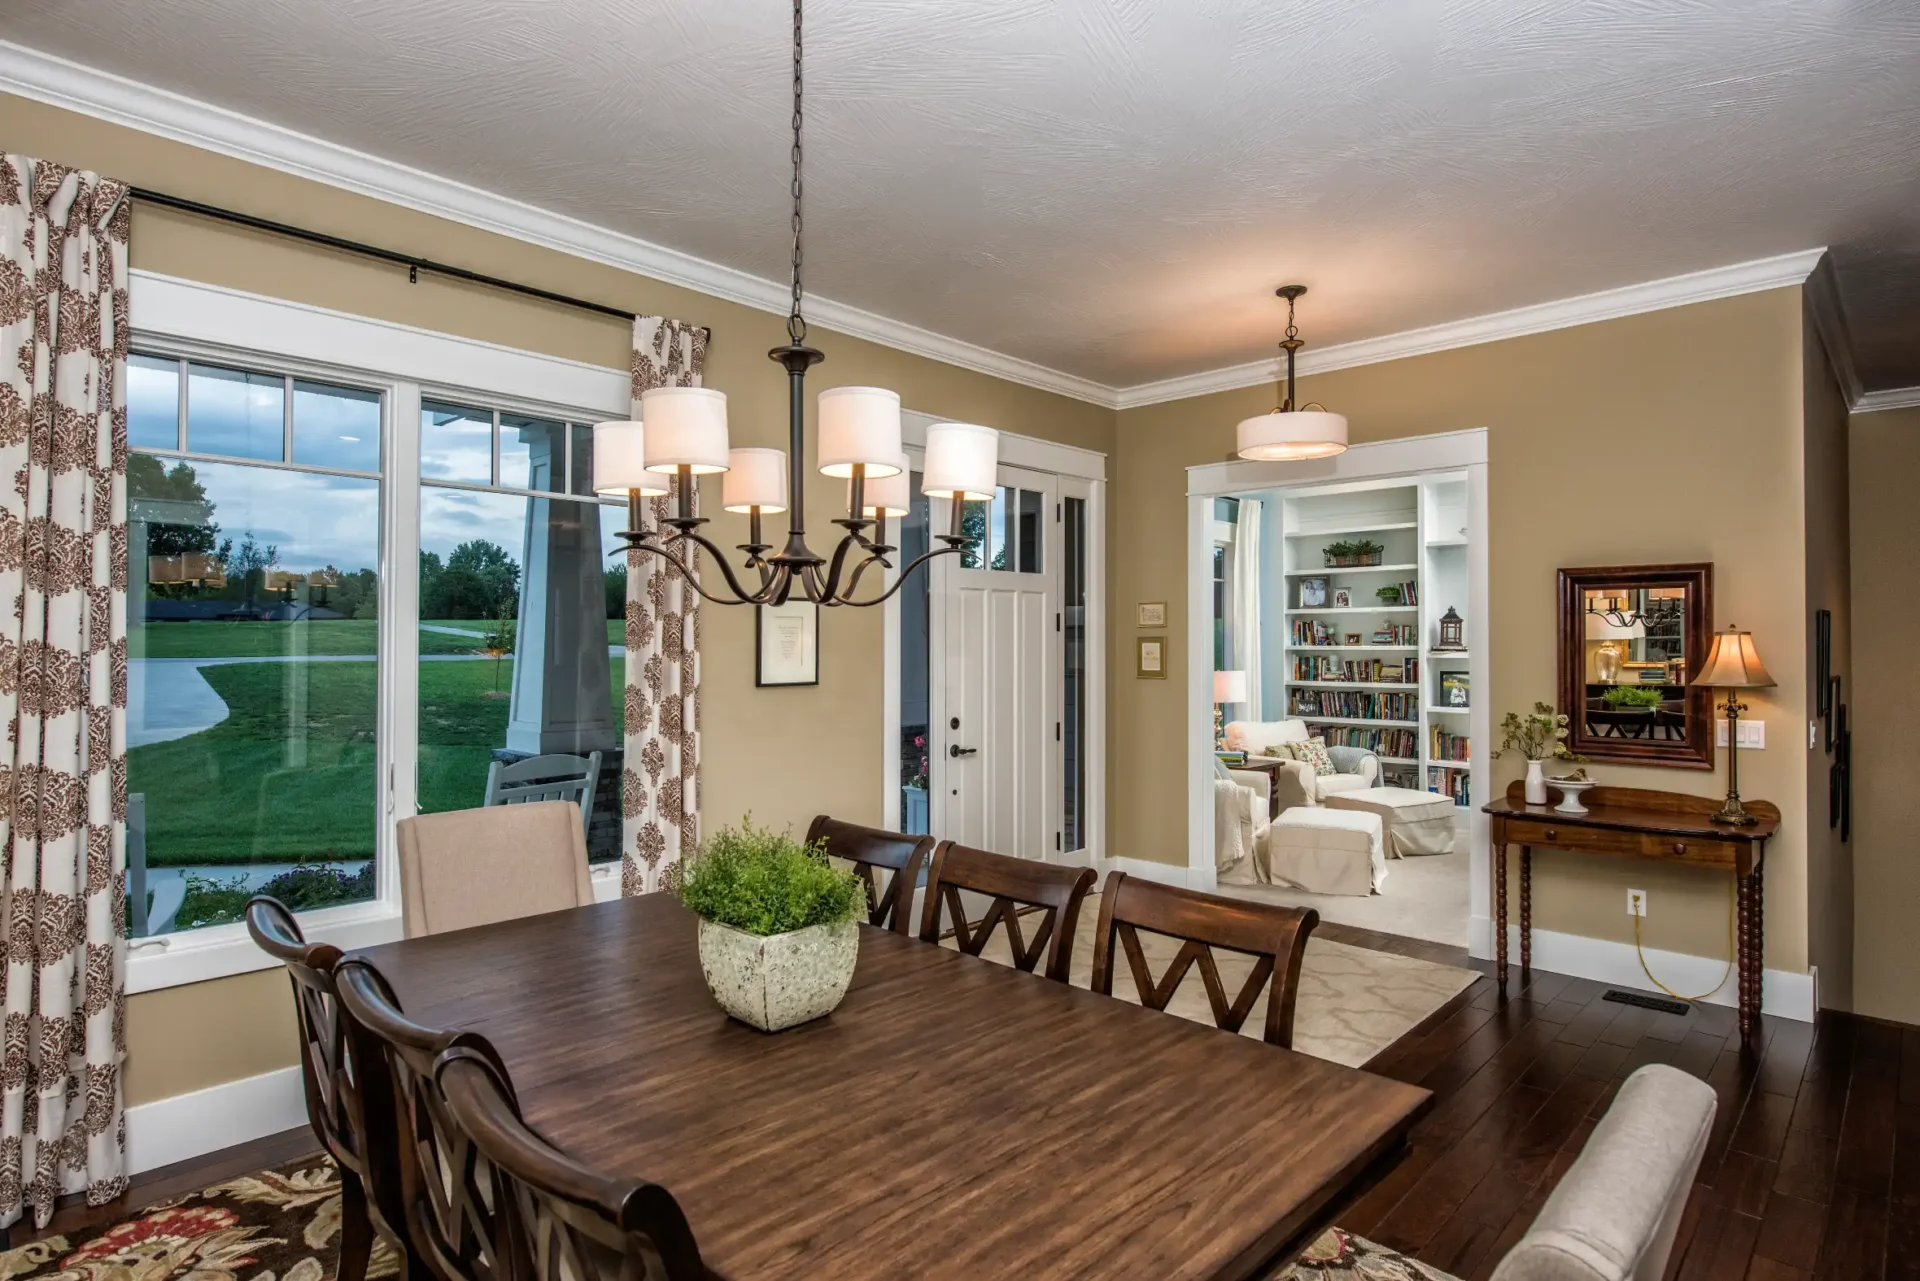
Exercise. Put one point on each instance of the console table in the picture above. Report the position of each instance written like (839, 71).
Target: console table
(1633, 822)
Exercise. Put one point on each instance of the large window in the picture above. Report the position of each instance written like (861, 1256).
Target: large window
(521, 609)
(253, 518)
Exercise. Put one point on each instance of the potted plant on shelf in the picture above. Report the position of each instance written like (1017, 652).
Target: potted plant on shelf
(1348, 553)
(1389, 595)
(779, 925)
(1539, 736)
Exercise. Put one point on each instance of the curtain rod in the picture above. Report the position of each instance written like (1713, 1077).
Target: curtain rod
(413, 265)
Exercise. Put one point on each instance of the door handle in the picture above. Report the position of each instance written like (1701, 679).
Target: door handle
(954, 749)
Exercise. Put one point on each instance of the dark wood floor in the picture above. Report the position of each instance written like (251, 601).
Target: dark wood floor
(1813, 1168)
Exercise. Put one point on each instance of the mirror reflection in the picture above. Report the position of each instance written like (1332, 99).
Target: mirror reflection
(1635, 652)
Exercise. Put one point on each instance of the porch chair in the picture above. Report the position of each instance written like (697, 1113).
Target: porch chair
(554, 777)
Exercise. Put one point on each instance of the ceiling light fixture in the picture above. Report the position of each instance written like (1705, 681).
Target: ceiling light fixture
(682, 433)
(1288, 434)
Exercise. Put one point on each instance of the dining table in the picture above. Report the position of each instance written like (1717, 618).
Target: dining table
(952, 1117)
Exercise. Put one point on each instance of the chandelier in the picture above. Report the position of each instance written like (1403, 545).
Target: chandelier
(1288, 434)
(1615, 610)
(682, 434)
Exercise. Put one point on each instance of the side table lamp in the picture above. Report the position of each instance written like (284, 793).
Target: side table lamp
(1733, 664)
(1228, 687)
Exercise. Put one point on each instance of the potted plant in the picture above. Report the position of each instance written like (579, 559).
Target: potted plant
(1349, 552)
(779, 925)
(1389, 595)
(1539, 736)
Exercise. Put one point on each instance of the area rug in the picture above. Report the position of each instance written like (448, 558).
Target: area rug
(284, 1225)
(1425, 897)
(1354, 1002)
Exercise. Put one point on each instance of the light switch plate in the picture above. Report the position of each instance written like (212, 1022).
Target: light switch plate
(1753, 734)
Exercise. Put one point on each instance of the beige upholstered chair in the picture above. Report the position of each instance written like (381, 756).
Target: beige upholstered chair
(1297, 784)
(1615, 1214)
(475, 867)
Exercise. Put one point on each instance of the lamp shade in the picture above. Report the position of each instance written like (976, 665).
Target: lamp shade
(1229, 687)
(889, 497)
(1733, 663)
(963, 462)
(620, 460)
(686, 427)
(1292, 435)
(755, 478)
(859, 425)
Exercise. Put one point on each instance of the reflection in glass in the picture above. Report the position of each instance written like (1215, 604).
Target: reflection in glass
(916, 756)
(153, 402)
(1029, 521)
(582, 460)
(456, 443)
(233, 412)
(1635, 650)
(1074, 731)
(336, 426)
(252, 689)
(532, 453)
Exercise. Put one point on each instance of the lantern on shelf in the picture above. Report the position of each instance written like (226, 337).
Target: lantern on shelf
(1451, 625)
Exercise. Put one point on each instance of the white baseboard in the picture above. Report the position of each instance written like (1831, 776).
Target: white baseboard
(1782, 992)
(220, 1116)
(1147, 869)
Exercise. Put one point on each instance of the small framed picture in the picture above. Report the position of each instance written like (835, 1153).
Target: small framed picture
(1454, 688)
(1153, 613)
(1342, 598)
(1354, 638)
(1313, 592)
(788, 648)
(1150, 658)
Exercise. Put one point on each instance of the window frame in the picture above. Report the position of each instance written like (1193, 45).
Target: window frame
(189, 321)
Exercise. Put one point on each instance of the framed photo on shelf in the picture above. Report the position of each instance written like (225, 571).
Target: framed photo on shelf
(1150, 658)
(1453, 689)
(1342, 598)
(1153, 613)
(1313, 592)
(787, 651)
(1353, 638)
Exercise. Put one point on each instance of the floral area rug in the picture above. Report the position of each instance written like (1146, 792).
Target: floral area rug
(284, 1225)
(277, 1225)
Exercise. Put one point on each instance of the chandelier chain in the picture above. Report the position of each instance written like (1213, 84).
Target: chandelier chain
(796, 323)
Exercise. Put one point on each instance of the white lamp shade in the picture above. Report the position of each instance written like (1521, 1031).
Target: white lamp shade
(1229, 687)
(686, 427)
(859, 425)
(1294, 435)
(620, 460)
(755, 478)
(890, 497)
(963, 462)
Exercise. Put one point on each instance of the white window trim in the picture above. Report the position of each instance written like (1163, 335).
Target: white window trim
(184, 318)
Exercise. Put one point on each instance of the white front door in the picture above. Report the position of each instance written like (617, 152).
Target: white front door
(996, 691)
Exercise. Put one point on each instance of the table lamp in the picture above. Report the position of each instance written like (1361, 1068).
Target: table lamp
(1228, 687)
(1733, 664)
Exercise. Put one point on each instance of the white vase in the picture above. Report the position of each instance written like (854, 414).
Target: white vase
(777, 981)
(1536, 784)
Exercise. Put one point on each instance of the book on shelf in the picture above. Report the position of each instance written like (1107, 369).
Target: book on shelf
(1444, 745)
(1231, 758)
(1381, 742)
(1375, 671)
(1454, 783)
(1354, 705)
(1408, 593)
(1395, 634)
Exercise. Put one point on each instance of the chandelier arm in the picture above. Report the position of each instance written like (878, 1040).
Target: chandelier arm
(741, 596)
(874, 557)
(900, 580)
(831, 587)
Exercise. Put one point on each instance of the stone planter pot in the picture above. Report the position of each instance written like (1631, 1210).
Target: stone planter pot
(779, 980)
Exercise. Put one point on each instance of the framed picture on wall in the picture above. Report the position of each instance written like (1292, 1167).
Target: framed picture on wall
(787, 651)
(1153, 613)
(1150, 658)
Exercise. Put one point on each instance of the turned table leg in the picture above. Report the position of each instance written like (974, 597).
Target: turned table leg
(1526, 910)
(1500, 912)
(1757, 950)
(1743, 899)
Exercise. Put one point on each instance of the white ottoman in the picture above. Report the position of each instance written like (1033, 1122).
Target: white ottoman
(1325, 851)
(1416, 822)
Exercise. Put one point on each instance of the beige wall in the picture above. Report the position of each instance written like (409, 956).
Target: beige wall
(788, 754)
(1884, 701)
(1672, 436)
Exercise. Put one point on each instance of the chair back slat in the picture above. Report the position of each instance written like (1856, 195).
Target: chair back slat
(870, 850)
(572, 1224)
(1012, 884)
(1274, 936)
(455, 1209)
(553, 777)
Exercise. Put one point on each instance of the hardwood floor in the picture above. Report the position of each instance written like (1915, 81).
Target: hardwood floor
(1812, 1170)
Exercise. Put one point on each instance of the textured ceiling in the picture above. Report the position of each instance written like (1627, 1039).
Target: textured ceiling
(1113, 187)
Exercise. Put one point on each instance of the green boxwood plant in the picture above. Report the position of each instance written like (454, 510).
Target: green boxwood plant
(763, 882)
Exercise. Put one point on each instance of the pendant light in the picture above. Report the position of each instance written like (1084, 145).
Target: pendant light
(682, 434)
(1288, 434)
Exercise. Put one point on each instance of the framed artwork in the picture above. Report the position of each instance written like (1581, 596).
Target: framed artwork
(1822, 660)
(787, 651)
(1313, 592)
(1150, 658)
(1153, 613)
(1453, 689)
(1342, 598)
(1354, 638)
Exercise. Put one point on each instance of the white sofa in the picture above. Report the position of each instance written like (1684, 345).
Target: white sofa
(1295, 782)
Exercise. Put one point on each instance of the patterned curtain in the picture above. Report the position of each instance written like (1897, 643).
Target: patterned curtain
(660, 784)
(63, 682)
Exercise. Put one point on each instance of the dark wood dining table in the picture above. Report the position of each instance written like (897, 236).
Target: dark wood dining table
(952, 1118)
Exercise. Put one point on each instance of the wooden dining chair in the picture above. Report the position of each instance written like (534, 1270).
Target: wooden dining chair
(475, 867)
(455, 1208)
(1012, 884)
(870, 849)
(572, 1223)
(1275, 936)
(366, 1158)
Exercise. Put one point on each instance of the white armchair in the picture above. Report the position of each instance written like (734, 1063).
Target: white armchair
(1296, 783)
(1240, 808)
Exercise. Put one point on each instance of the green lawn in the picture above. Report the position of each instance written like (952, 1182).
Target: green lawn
(275, 640)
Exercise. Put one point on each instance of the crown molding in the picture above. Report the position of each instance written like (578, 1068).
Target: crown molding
(1629, 300)
(1829, 318)
(1891, 398)
(74, 87)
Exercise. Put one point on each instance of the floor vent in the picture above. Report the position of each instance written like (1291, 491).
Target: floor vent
(1660, 1003)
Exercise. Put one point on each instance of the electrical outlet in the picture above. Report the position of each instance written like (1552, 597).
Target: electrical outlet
(1636, 902)
(1753, 734)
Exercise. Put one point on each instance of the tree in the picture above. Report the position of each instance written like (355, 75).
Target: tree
(497, 574)
(178, 495)
(249, 562)
(616, 581)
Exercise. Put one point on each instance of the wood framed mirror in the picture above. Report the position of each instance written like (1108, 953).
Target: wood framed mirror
(1630, 638)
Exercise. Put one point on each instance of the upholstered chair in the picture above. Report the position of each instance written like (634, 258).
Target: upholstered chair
(1296, 783)
(475, 867)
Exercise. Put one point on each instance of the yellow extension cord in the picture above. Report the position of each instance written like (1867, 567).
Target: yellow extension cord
(1730, 953)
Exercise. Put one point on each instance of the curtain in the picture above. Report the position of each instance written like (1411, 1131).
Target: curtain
(660, 781)
(63, 682)
(1246, 605)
